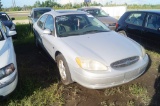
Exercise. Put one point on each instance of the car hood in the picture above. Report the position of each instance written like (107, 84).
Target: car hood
(106, 47)
(107, 20)
(4, 53)
(8, 23)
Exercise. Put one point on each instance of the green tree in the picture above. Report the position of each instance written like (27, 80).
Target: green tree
(1, 5)
(37, 4)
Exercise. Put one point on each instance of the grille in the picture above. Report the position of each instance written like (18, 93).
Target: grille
(125, 62)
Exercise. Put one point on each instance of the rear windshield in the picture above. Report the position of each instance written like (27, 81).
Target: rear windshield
(4, 17)
(38, 13)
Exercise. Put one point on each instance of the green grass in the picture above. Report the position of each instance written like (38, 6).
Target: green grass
(37, 85)
(51, 96)
(21, 18)
(134, 92)
(140, 93)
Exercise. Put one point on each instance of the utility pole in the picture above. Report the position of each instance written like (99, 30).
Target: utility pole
(86, 2)
(13, 3)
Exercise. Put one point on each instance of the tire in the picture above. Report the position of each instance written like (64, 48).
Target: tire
(122, 33)
(63, 69)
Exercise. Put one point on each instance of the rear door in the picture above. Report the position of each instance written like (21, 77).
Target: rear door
(151, 33)
(134, 25)
(39, 27)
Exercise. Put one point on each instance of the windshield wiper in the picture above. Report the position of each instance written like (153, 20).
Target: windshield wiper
(66, 35)
(94, 31)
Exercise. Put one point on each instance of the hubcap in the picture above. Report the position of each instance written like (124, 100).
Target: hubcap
(62, 70)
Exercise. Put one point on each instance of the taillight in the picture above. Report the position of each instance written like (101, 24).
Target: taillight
(116, 25)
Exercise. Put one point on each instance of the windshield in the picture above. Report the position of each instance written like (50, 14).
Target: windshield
(78, 24)
(97, 13)
(38, 13)
(4, 17)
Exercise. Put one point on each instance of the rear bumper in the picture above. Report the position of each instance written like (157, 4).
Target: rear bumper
(105, 80)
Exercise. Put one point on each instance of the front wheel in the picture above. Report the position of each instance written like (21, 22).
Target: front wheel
(63, 69)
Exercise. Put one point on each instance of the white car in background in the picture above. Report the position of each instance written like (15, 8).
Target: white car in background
(87, 52)
(8, 65)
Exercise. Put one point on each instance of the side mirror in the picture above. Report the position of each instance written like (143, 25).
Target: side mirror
(47, 31)
(12, 18)
(11, 33)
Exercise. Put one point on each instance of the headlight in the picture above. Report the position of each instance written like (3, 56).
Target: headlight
(9, 69)
(88, 64)
(13, 27)
(143, 52)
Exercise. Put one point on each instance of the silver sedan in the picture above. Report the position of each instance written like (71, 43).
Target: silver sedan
(87, 52)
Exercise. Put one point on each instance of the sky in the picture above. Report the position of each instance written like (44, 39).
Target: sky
(8, 3)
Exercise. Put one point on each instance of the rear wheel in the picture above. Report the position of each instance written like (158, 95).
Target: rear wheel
(122, 33)
(63, 69)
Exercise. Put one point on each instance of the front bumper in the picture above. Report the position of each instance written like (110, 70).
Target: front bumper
(109, 79)
(8, 84)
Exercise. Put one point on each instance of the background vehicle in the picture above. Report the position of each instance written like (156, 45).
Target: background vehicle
(7, 21)
(86, 50)
(36, 13)
(142, 26)
(101, 15)
(8, 65)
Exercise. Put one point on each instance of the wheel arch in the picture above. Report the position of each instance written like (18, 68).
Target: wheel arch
(56, 54)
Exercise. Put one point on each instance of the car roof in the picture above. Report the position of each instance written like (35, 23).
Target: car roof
(42, 8)
(64, 12)
(3, 13)
(147, 11)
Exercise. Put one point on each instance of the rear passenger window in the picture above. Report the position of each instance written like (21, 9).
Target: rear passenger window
(152, 21)
(136, 19)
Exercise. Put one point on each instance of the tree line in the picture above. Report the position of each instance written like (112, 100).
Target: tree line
(55, 5)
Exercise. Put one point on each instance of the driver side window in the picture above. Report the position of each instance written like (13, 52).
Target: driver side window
(40, 22)
(49, 23)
